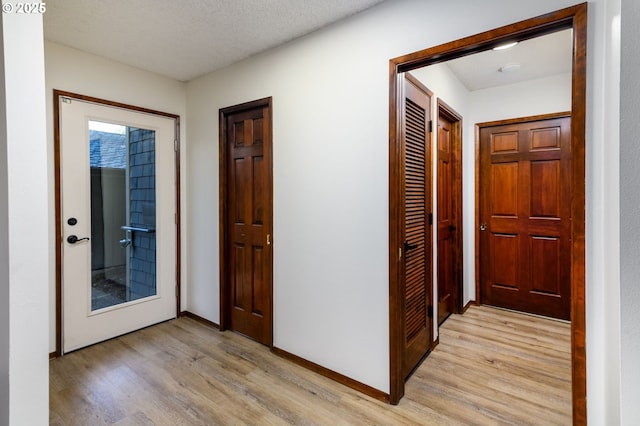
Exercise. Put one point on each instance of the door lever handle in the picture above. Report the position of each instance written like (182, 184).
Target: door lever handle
(72, 239)
(408, 246)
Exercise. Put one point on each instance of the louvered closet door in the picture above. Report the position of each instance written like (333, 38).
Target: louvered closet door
(417, 230)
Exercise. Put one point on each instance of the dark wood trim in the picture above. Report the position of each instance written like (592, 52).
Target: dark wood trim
(578, 222)
(574, 17)
(58, 215)
(518, 31)
(223, 196)
(200, 319)
(465, 307)
(340, 378)
(452, 115)
(222, 226)
(477, 212)
(396, 383)
(53, 355)
(435, 343)
(524, 119)
(178, 218)
(57, 94)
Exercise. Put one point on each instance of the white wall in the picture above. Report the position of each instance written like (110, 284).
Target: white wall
(78, 72)
(330, 94)
(24, 390)
(629, 217)
(4, 248)
(533, 97)
(603, 213)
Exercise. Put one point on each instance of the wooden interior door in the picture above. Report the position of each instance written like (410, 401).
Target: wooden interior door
(449, 190)
(417, 270)
(525, 215)
(247, 271)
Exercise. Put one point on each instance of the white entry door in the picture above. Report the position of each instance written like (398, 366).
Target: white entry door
(118, 221)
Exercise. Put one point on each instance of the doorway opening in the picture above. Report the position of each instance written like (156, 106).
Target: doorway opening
(575, 19)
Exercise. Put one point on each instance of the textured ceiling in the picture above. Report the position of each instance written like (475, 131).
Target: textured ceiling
(185, 39)
(538, 57)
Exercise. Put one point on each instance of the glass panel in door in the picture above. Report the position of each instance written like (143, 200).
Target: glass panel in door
(123, 214)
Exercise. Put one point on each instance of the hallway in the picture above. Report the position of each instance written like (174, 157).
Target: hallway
(491, 367)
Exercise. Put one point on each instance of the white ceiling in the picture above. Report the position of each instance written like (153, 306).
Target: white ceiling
(539, 57)
(184, 39)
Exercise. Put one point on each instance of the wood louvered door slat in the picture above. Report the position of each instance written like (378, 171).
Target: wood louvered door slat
(416, 228)
(525, 244)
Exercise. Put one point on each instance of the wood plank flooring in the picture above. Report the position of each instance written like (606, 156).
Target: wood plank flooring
(491, 367)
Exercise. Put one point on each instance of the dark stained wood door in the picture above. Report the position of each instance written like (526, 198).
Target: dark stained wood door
(248, 221)
(417, 270)
(525, 216)
(449, 190)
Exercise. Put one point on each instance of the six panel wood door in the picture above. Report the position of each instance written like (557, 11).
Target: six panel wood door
(446, 220)
(416, 155)
(249, 212)
(525, 203)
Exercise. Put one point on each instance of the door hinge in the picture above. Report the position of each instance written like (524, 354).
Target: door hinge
(66, 100)
(430, 126)
(268, 239)
(399, 253)
(430, 218)
(175, 145)
(430, 311)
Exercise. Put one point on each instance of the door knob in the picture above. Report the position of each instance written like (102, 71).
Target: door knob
(72, 239)
(483, 226)
(408, 246)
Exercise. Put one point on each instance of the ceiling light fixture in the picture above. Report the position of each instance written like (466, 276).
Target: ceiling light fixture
(505, 46)
(510, 67)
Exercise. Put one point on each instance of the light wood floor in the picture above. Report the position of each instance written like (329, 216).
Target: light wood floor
(491, 367)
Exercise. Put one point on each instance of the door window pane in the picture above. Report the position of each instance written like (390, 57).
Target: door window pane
(123, 219)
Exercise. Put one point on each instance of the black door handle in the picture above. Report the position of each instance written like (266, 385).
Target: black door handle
(452, 228)
(408, 246)
(72, 239)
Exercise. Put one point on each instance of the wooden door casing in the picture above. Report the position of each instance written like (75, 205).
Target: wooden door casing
(449, 195)
(525, 184)
(416, 254)
(246, 255)
(576, 18)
